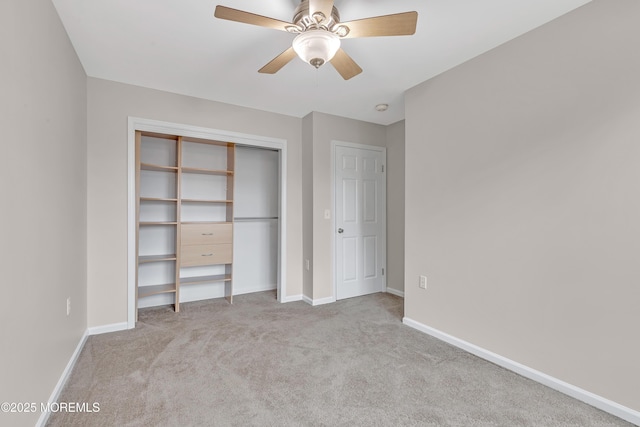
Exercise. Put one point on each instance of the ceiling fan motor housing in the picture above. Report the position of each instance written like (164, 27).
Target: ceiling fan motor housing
(303, 20)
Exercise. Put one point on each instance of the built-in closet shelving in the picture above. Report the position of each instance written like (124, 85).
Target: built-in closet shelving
(184, 214)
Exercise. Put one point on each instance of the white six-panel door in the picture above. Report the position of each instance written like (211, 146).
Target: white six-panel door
(360, 221)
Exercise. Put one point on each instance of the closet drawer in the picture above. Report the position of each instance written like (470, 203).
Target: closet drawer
(206, 234)
(193, 255)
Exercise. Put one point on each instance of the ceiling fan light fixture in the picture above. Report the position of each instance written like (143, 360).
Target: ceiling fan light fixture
(316, 47)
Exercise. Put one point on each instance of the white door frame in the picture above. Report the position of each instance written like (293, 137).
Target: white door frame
(383, 201)
(148, 125)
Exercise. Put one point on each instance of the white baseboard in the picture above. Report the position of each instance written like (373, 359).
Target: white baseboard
(395, 292)
(114, 327)
(44, 416)
(585, 396)
(291, 298)
(320, 301)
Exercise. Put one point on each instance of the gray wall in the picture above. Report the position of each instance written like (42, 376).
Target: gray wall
(43, 215)
(307, 203)
(309, 177)
(395, 206)
(522, 207)
(327, 128)
(109, 105)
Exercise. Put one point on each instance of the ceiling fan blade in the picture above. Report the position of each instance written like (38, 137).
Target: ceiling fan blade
(236, 15)
(278, 62)
(399, 24)
(323, 6)
(346, 66)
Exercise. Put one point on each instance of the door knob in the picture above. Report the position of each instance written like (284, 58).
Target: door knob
(340, 230)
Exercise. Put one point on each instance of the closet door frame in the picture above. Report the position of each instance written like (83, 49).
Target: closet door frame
(241, 139)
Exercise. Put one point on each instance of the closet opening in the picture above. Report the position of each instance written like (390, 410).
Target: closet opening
(253, 173)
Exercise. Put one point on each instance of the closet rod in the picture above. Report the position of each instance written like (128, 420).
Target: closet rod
(255, 218)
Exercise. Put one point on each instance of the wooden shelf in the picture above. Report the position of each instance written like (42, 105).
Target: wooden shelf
(159, 135)
(156, 199)
(207, 141)
(146, 291)
(179, 163)
(205, 279)
(156, 258)
(205, 201)
(206, 171)
(159, 223)
(158, 168)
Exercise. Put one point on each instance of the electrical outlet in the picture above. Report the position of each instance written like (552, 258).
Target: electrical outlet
(68, 306)
(423, 282)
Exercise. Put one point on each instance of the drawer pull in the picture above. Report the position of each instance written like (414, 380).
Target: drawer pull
(207, 255)
(207, 234)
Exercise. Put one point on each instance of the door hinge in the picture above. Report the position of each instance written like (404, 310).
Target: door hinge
(382, 168)
(383, 271)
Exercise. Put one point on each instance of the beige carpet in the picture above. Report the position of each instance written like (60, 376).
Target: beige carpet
(261, 363)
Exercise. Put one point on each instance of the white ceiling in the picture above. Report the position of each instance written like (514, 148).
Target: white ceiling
(178, 46)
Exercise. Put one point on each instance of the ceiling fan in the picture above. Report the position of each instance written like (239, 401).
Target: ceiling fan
(319, 31)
